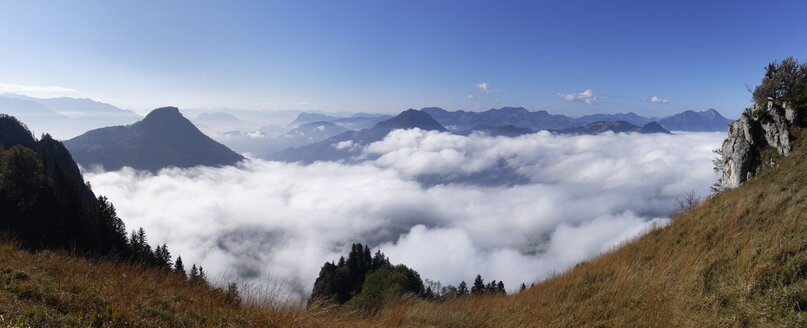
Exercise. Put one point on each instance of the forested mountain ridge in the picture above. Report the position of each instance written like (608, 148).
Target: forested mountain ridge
(46, 204)
(43, 196)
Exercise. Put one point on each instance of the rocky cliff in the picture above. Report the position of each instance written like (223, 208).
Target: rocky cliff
(759, 126)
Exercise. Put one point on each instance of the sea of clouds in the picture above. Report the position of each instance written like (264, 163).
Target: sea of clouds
(574, 197)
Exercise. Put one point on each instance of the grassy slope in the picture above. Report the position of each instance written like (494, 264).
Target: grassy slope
(739, 259)
(57, 289)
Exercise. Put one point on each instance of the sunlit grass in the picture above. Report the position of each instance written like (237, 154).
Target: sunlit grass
(739, 259)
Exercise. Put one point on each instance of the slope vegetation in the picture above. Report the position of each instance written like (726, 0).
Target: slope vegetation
(739, 259)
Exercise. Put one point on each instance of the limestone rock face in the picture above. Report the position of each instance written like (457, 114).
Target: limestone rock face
(737, 162)
(775, 128)
(759, 126)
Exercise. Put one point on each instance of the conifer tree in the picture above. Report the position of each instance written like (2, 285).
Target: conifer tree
(163, 257)
(462, 289)
(490, 288)
(194, 273)
(232, 294)
(479, 286)
(179, 267)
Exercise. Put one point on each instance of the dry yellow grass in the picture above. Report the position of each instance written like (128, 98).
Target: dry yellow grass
(740, 259)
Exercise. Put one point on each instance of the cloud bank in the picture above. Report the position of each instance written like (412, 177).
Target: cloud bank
(27, 89)
(580, 196)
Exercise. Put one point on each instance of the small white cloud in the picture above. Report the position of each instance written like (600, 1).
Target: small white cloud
(347, 144)
(485, 88)
(471, 96)
(586, 97)
(656, 99)
(256, 135)
(24, 89)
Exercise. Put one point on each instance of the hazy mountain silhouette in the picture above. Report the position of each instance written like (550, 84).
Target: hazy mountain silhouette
(348, 144)
(164, 138)
(615, 126)
(312, 132)
(460, 120)
(709, 120)
(497, 131)
(25, 109)
(357, 121)
(304, 118)
(516, 116)
(631, 118)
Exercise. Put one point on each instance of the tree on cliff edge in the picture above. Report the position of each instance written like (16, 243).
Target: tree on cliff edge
(783, 81)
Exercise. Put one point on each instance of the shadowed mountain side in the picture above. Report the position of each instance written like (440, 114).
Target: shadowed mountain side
(54, 154)
(43, 198)
(164, 138)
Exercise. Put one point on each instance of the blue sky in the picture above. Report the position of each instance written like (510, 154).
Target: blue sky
(386, 56)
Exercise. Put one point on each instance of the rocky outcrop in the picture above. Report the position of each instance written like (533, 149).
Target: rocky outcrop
(759, 126)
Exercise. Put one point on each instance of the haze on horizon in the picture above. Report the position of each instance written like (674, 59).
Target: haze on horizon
(573, 58)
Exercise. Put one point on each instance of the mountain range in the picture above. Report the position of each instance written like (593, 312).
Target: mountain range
(164, 138)
(348, 144)
(709, 120)
(615, 126)
(64, 117)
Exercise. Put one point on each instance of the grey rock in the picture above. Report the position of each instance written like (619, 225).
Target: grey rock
(737, 162)
(759, 126)
(775, 128)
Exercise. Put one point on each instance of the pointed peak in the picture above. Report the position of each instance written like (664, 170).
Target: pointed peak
(654, 127)
(166, 118)
(163, 113)
(653, 123)
(411, 118)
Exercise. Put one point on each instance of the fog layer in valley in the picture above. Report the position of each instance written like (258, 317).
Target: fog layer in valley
(578, 196)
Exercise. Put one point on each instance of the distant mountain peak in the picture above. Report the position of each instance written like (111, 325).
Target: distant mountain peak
(653, 127)
(690, 120)
(164, 138)
(409, 119)
(163, 113)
